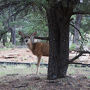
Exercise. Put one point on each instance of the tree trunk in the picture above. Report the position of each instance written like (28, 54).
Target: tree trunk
(77, 25)
(4, 34)
(13, 36)
(58, 23)
(4, 39)
(13, 31)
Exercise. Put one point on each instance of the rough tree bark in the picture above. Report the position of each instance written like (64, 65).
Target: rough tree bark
(58, 23)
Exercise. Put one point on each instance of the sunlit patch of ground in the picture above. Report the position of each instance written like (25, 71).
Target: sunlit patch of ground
(17, 55)
(24, 55)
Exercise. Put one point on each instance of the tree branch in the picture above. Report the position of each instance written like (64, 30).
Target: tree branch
(81, 12)
(6, 5)
(18, 11)
(42, 38)
(78, 31)
(22, 9)
(77, 56)
(2, 33)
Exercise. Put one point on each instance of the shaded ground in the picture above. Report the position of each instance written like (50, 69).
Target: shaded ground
(33, 82)
(79, 79)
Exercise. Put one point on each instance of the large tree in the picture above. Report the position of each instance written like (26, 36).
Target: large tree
(58, 22)
(59, 14)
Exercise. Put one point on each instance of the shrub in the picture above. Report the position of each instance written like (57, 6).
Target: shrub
(9, 45)
(72, 47)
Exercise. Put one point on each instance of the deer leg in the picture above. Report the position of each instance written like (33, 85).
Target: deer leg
(38, 64)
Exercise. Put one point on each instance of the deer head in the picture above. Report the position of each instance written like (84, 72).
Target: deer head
(29, 39)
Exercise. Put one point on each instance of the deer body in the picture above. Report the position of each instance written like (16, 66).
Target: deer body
(39, 48)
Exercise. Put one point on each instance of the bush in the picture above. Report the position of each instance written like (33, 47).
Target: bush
(1, 45)
(88, 45)
(9, 45)
(72, 47)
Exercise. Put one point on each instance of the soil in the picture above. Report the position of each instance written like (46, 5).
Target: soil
(37, 82)
(20, 55)
(24, 55)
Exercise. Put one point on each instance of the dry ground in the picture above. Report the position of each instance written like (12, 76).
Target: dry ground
(34, 82)
(24, 55)
(77, 81)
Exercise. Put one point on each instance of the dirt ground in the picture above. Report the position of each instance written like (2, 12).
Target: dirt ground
(19, 55)
(24, 55)
(39, 82)
(34, 82)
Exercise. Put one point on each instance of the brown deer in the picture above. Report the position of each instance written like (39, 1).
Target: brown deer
(38, 48)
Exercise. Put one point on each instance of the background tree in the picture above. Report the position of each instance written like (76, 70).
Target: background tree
(77, 25)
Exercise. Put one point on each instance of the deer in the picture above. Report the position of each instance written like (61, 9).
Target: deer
(39, 49)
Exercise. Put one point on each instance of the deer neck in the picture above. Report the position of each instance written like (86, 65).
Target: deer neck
(30, 46)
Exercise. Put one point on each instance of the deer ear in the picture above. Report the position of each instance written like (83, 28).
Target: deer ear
(21, 33)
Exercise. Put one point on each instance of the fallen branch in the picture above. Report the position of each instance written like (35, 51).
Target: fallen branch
(75, 63)
(79, 63)
(77, 56)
